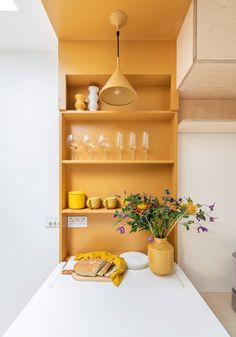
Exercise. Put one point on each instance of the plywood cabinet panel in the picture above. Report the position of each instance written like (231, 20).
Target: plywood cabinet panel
(210, 80)
(216, 29)
(185, 54)
(211, 74)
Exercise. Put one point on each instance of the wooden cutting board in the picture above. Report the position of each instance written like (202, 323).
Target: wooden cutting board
(90, 278)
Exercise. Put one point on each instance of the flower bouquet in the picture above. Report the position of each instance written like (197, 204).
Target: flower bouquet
(144, 212)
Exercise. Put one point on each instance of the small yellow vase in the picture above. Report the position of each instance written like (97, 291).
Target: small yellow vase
(161, 257)
(79, 104)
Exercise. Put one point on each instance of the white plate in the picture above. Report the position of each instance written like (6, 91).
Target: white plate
(135, 260)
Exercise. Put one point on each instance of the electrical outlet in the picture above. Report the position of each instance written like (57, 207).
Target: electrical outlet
(52, 222)
(77, 221)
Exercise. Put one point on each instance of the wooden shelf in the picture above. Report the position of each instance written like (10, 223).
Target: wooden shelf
(89, 211)
(117, 115)
(78, 80)
(118, 162)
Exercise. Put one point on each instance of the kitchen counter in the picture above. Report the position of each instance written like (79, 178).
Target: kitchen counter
(143, 305)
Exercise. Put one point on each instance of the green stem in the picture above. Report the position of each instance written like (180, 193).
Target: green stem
(149, 224)
(175, 222)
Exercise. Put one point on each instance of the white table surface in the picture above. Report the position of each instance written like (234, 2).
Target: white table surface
(144, 305)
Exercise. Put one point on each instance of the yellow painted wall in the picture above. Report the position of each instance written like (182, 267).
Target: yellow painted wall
(99, 57)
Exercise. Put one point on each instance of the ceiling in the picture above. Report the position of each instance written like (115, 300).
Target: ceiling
(26, 29)
(89, 19)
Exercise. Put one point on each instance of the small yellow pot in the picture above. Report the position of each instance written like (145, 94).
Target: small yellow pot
(76, 199)
(79, 104)
(161, 257)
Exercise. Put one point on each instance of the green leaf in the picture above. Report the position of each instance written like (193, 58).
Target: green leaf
(186, 225)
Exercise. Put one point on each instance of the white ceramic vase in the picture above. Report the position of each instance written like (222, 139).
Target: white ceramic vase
(93, 98)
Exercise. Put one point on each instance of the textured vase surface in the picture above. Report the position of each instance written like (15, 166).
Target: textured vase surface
(79, 104)
(93, 98)
(161, 257)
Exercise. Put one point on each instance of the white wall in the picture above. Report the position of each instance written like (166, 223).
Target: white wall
(28, 28)
(28, 176)
(207, 172)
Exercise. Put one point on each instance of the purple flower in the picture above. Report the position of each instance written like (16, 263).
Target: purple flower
(201, 228)
(119, 214)
(211, 207)
(212, 219)
(150, 239)
(121, 229)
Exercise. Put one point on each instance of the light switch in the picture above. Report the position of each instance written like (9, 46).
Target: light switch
(77, 221)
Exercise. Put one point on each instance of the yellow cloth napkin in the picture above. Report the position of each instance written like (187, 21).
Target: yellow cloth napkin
(120, 263)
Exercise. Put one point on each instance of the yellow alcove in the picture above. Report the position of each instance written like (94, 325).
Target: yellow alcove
(152, 74)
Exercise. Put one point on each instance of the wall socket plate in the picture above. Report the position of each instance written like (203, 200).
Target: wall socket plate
(77, 221)
(52, 222)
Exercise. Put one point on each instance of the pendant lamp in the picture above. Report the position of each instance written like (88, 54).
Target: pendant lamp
(118, 91)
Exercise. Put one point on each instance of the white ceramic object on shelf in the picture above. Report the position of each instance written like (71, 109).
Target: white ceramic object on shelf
(135, 260)
(93, 98)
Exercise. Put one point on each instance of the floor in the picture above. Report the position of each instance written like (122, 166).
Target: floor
(220, 304)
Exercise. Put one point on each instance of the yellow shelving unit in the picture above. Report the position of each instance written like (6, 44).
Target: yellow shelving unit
(86, 211)
(104, 178)
(118, 162)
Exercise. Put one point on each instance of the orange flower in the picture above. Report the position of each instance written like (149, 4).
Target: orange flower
(191, 208)
(141, 207)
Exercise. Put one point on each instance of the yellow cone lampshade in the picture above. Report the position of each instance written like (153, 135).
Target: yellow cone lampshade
(118, 91)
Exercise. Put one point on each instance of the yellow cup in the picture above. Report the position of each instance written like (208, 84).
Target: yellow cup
(76, 199)
(94, 203)
(110, 203)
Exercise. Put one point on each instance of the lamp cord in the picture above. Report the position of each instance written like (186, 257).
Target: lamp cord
(118, 42)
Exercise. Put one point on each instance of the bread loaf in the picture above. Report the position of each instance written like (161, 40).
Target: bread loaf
(110, 271)
(105, 269)
(89, 267)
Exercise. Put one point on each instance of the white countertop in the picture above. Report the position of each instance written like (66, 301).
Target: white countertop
(144, 305)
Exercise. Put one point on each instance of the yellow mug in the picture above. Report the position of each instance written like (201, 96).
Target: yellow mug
(94, 203)
(76, 199)
(110, 202)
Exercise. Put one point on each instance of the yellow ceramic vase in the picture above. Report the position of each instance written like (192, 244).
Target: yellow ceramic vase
(161, 257)
(79, 104)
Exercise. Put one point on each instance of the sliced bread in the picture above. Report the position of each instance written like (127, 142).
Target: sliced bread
(110, 271)
(89, 267)
(105, 269)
